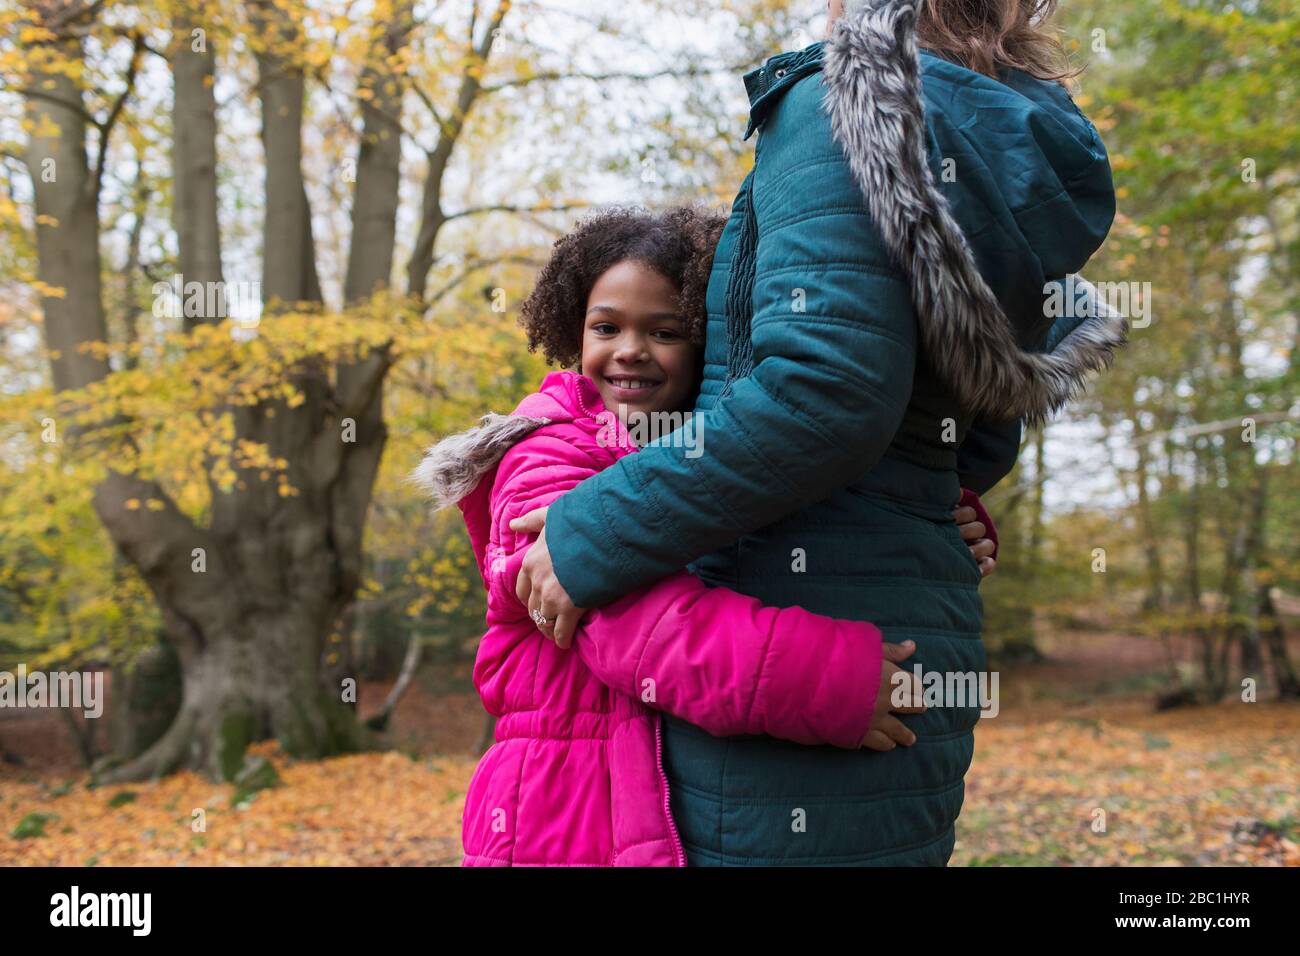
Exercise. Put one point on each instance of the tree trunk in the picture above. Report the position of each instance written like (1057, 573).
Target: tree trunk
(246, 603)
(249, 624)
(144, 699)
(410, 664)
(1155, 599)
(130, 306)
(194, 159)
(67, 225)
(247, 684)
(1274, 637)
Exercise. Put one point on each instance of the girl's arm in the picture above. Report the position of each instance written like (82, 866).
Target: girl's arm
(971, 500)
(728, 664)
(711, 656)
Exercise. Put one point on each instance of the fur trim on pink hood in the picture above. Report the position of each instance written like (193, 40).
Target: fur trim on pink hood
(575, 777)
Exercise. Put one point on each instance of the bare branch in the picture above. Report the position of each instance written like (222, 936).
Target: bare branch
(519, 210)
(59, 17)
(428, 102)
(550, 77)
(72, 105)
(106, 129)
(475, 265)
(1209, 428)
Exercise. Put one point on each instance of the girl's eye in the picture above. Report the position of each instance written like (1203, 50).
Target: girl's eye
(604, 328)
(667, 335)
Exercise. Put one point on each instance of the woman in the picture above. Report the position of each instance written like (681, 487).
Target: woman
(874, 313)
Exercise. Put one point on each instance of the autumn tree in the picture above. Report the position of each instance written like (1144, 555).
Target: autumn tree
(231, 445)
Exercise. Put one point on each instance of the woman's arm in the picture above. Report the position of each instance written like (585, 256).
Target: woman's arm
(714, 657)
(834, 344)
(987, 454)
(726, 663)
(989, 449)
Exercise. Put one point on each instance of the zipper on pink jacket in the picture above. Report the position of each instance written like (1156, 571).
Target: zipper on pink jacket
(663, 779)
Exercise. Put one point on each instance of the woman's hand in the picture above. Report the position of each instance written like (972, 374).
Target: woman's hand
(973, 533)
(539, 590)
(887, 731)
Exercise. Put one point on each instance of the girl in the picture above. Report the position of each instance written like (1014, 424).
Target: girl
(576, 777)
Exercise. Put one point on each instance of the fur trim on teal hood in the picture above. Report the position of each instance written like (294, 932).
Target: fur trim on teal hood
(1054, 212)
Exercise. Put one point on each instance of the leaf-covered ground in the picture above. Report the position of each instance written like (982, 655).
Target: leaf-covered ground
(1074, 771)
(1209, 786)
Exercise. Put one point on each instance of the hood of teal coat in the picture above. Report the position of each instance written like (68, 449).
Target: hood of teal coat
(1032, 186)
(1018, 196)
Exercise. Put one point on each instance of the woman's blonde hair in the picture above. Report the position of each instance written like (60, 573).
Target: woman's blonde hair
(982, 35)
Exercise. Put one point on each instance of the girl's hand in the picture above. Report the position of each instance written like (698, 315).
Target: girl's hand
(973, 533)
(887, 731)
(539, 590)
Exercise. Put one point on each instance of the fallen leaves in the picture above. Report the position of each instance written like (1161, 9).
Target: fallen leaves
(1190, 787)
(379, 809)
(1209, 786)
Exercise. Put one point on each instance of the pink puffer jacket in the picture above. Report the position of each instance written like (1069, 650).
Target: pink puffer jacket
(575, 777)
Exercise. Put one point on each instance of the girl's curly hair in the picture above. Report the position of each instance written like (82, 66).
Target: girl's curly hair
(677, 243)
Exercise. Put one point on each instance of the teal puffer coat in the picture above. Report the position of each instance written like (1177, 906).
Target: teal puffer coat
(876, 309)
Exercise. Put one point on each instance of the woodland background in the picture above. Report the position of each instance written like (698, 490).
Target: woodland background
(209, 505)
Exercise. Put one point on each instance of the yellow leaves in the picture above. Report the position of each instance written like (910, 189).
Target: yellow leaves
(31, 35)
(314, 818)
(150, 504)
(1165, 787)
(47, 291)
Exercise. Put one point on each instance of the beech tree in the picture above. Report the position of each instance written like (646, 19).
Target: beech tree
(232, 457)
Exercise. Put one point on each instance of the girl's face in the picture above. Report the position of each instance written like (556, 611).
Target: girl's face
(634, 344)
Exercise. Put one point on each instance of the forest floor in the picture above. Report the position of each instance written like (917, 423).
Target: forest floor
(1076, 769)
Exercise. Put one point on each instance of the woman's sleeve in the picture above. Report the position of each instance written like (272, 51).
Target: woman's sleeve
(834, 347)
(727, 663)
(716, 658)
(987, 454)
(990, 448)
